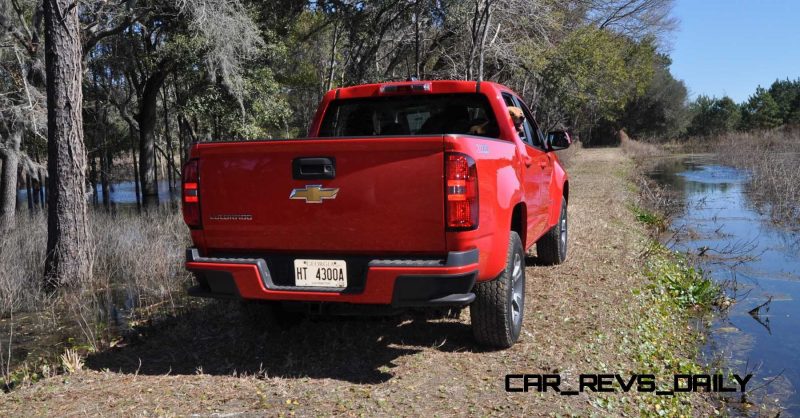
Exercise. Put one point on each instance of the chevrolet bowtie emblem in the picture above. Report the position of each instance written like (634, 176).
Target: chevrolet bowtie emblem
(314, 193)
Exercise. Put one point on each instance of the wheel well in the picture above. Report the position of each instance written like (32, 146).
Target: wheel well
(518, 221)
(566, 191)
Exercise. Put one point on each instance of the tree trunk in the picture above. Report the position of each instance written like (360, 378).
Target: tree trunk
(93, 179)
(183, 129)
(136, 175)
(155, 170)
(29, 193)
(43, 187)
(69, 242)
(482, 51)
(168, 139)
(416, 39)
(105, 167)
(332, 60)
(8, 183)
(182, 140)
(37, 187)
(147, 138)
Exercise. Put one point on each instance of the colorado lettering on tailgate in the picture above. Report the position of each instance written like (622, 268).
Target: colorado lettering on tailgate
(406, 195)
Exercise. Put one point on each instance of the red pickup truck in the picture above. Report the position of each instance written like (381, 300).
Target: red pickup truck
(419, 194)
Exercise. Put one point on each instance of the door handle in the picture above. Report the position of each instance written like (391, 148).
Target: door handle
(314, 168)
(543, 165)
(528, 161)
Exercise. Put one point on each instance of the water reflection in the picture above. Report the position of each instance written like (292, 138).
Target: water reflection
(761, 261)
(122, 193)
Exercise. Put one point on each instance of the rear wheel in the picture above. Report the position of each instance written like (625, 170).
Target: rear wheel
(551, 248)
(499, 305)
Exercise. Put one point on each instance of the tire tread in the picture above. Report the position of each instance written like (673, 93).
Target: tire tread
(548, 248)
(491, 306)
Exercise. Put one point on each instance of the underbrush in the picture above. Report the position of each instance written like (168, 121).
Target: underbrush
(638, 149)
(137, 273)
(567, 156)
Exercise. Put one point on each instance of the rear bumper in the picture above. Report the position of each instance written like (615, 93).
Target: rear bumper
(400, 283)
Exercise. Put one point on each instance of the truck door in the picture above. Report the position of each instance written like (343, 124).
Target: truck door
(542, 168)
(533, 172)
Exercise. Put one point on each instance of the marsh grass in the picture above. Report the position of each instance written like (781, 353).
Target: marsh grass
(138, 260)
(639, 149)
(137, 275)
(772, 158)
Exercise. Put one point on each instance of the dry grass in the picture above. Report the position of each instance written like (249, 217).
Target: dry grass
(567, 156)
(638, 149)
(773, 160)
(137, 256)
(22, 265)
(593, 314)
(138, 266)
(141, 255)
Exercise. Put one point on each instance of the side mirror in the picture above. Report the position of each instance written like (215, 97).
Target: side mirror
(558, 140)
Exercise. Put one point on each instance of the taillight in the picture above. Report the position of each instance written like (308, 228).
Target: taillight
(191, 194)
(461, 191)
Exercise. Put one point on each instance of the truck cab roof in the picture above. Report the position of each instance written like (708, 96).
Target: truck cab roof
(416, 87)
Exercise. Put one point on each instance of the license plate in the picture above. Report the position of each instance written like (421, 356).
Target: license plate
(320, 273)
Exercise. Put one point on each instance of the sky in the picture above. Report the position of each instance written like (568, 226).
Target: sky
(729, 47)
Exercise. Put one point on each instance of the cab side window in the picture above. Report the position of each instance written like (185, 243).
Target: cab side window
(536, 138)
(526, 133)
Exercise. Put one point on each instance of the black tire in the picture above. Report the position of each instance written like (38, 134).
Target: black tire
(499, 305)
(551, 249)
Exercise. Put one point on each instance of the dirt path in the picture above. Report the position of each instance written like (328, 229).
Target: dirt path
(580, 317)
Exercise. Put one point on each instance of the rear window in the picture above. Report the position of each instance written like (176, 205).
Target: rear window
(410, 115)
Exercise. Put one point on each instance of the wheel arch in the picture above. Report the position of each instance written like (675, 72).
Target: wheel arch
(519, 222)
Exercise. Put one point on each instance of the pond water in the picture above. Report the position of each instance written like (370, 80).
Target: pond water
(758, 262)
(122, 193)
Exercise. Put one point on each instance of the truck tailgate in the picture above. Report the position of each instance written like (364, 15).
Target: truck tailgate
(390, 196)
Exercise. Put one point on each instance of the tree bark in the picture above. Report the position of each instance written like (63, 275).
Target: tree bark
(332, 60)
(136, 175)
(70, 251)
(482, 51)
(8, 182)
(93, 179)
(104, 170)
(416, 39)
(168, 139)
(147, 138)
(29, 193)
(43, 187)
(36, 189)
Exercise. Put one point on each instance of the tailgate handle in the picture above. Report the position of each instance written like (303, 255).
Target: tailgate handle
(314, 168)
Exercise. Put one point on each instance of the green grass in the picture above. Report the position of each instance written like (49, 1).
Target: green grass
(651, 219)
(683, 284)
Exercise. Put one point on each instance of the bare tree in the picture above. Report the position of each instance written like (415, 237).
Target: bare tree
(69, 242)
(634, 18)
(20, 103)
(9, 154)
